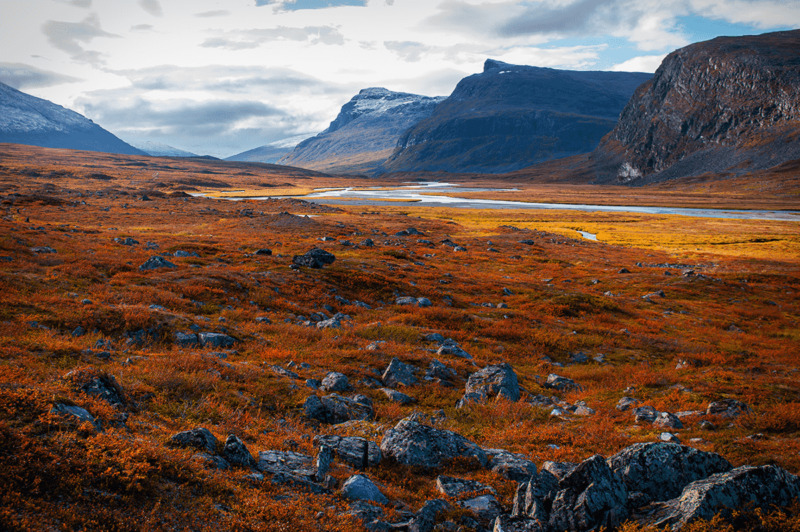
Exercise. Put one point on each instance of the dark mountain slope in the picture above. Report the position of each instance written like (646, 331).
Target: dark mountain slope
(510, 117)
(25, 119)
(726, 106)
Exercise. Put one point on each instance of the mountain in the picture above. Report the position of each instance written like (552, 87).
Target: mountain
(264, 154)
(510, 116)
(364, 134)
(157, 149)
(25, 119)
(726, 106)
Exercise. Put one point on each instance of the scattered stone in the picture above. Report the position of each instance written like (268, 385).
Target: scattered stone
(397, 397)
(199, 438)
(437, 370)
(264, 319)
(494, 381)
(78, 332)
(263, 252)
(405, 301)
(412, 443)
(236, 453)
(335, 382)
(335, 409)
(579, 358)
(512, 466)
(106, 388)
(375, 346)
(562, 384)
(80, 414)
(184, 254)
(185, 339)
(425, 519)
(282, 371)
(361, 488)
(668, 421)
(727, 408)
(450, 347)
(626, 403)
(582, 409)
(623, 270)
(211, 461)
(216, 340)
(706, 425)
(559, 469)
(128, 241)
(316, 259)
(368, 243)
(645, 414)
(399, 374)
(156, 262)
(354, 451)
(668, 437)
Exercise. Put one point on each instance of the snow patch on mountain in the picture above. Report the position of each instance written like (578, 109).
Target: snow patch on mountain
(157, 149)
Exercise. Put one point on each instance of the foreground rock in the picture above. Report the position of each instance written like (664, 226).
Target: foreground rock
(399, 374)
(316, 258)
(334, 408)
(492, 381)
(412, 443)
(156, 262)
(361, 488)
(354, 451)
(199, 438)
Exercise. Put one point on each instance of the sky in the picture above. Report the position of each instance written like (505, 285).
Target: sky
(220, 77)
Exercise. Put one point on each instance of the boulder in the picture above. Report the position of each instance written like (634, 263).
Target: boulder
(361, 488)
(397, 397)
(405, 301)
(184, 339)
(287, 463)
(727, 408)
(562, 384)
(199, 438)
(450, 347)
(559, 469)
(659, 471)
(314, 409)
(512, 466)
(183, 254)
(645, 414)
(352, 450)
(335, 382)
(495, 381)
(81, 415)
(534, 497)
(217, 340)
(211, 461)
(156, 262)
(458, 487)
(236, 453)
(339, 409)
(399, 373)
(437, 370)
(106, 388)
(323, 462)
(589, 497)
(665, 420)
(504, 523)
(761, 487)
(625, 403)
(485, 507)
(425, 519)
(412, 443)
(316, 258)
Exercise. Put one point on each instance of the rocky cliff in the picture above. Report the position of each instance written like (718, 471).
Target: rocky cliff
(729, 105)
(25, 119)
(364, 133)
(509, 117)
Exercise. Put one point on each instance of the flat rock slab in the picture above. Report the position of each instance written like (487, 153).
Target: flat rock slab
(412, 443)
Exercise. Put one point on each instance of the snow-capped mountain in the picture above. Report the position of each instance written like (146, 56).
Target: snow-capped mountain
(157, 149)
(365, 132)
(269, 153)
(25, 119)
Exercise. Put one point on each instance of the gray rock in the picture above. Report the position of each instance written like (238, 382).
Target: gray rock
(425, 519)
(287, 463)
(335, 382)
(412, 443)
(216, 340)
(316, 259)
(181, 253)
(504, 523)
(406, 301)
(106, 388)
(399, 373)
(361, 488)
(485, 507)
(559, 469)
(78, 332)
(263, 252)
(645, 414)
(668, 437)
(184, 339)
(458, 487)
(282, 371)
(513, 466)
(665, 420)
(323, 462)
(562, 384)
(127, 241)
(339, 409)
(659, 471)
(625, 403)
(424, 302)
(468, 398)
(397, 397)
(81, 415)
(156, 262)
(314, 409)
(368, 243)
(534, 497)
(589, 497)
(727, 408)
(762, 487)
(495, 381)
(263, 319)
(450, 347)
(437, 370)
(352, 450)
(434, 337)
(199, 438)
(236, 453)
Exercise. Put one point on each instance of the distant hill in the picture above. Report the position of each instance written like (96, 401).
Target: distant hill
(263, 154)
(157, 149)
(364, 134)
(25, 119)
(510, 116)
(726, 106)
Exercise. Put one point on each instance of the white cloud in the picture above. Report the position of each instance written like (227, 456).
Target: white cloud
(642, 63)
(152, 7)
(66, 37)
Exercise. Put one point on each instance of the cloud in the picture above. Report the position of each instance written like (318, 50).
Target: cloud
(295, 5)
(248, 39)
(644, 63)
(210, 14)
(407, 50)
(86, 4)
(22, 76)
(152, 7)
(66, 36)
(142, 28)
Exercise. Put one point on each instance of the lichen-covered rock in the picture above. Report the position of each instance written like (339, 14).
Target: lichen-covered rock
(486, 507)
(352, 450)
(217, 340)
(660, 471)
(185, 339)
(645, 414)
(199, 438)
(399, 373)
(236, 453)
(559, 469)
(727, 408)
(512, 466)
(666, 420)
(361, 488)
(534, 498)
(760, 486)
(450, 347)
(457, 487)
(495, 381)
(589, 497)
(412, 443)
(626, 403)
(504, 523)
(156, 262)
(335, 382)
(286, 462)
(106, 388)
(562, 384)
(316, 259)
(339, 409)
(425, 519)
(81, 415)
(397, 397)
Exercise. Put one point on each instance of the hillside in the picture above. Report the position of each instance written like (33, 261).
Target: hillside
(157, 149)
(263, 154)
(723, 107)
(364, 134)
(509, 117)
(25, 119)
